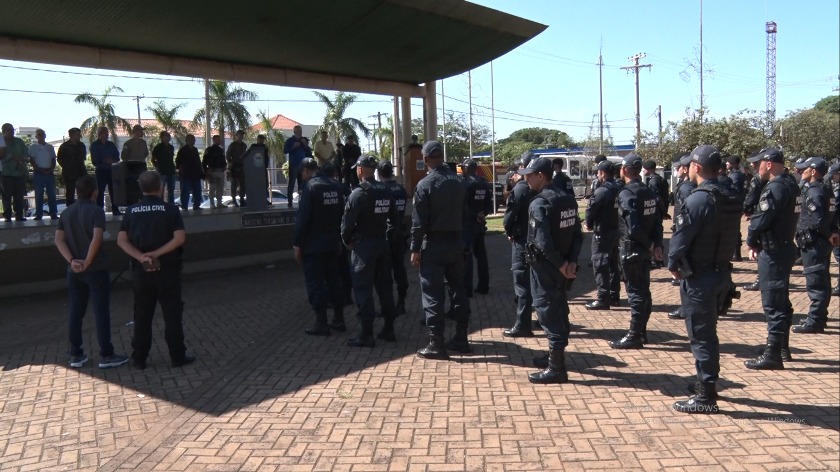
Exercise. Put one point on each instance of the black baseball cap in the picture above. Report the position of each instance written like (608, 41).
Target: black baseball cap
(816, 163)
(385, 164)
(539, 164)
(649, 164)
(309, 163)
(432, 148)
(469, 164)
(525, 158)
(366, 161)
(768, 154)
(632, 160)
(705, 155)
(605, 166)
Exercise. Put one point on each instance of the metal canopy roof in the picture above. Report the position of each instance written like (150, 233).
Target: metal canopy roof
(376, 46)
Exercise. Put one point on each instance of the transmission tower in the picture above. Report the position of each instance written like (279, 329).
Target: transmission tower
(770, 28)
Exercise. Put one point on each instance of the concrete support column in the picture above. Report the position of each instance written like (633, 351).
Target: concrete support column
(430, 111)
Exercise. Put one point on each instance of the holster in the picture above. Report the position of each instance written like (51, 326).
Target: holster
(769, 242)
(684, 268)
(804, 238)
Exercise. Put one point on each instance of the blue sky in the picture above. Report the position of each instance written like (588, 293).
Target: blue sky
(551, 81)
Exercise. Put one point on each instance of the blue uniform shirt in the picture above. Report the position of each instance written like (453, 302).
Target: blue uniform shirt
(438, 206)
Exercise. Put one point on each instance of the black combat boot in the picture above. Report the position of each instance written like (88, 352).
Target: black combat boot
(631, 340)
(387, 333)
(753, 287)
(320, 327)
(365, 337)
(338, 319)
(435, 349)
(519, 330)
(676, 314)
(541, 362)
(704, 401)
(695, 387)
(555, 372)
(770, 359)
(785, 353)
(807, 328)
(459, 342)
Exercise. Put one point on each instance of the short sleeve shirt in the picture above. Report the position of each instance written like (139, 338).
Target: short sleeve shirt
(150, 224)
(78, 222)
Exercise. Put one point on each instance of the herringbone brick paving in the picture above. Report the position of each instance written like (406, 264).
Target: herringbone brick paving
(263, 396)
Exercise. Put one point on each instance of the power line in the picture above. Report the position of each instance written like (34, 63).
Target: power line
(49, 92)
(91, 74)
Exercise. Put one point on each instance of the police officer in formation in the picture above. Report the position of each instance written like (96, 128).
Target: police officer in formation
(370, 210)
(516, 229)
(437, 249)
(699, 254)
(640, 239)
(316, 244)
(396, 233)
(771, 242)
(662, 191)
(561, 181)
(751, 197)
(813, 237)
(331, 171)
(152, 234)
(681, 191)
(602, 219)
(739, 187)
(478, 204)
(553, 245)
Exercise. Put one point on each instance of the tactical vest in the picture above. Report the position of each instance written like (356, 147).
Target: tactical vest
(519, 222)
(817, 195)
(646, 207)
(753, 194)
(784, 227)
(717, 240)
(372, 221)
(564, 219)
(327, 205)
(680, 194)
(608, 216)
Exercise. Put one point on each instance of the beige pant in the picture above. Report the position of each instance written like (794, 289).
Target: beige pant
(217, 187)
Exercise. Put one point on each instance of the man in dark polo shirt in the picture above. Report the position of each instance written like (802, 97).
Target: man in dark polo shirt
(79, 240)
(152, 234)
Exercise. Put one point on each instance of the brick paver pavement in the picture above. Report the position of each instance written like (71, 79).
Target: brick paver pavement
(263, 396)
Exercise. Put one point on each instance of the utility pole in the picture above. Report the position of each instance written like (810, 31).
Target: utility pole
(137, 99)
(443, 117)
(375, 149)
(659, 115)
(469, 88)
(702, 110)
(635, 68)
(601, 104)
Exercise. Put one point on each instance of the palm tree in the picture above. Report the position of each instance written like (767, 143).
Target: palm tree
(335, 124)
(274, 138)
(384, 136)
(104, 117)
(226, 108)
(168, 121)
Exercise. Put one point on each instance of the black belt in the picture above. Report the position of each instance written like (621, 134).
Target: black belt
(443, 236)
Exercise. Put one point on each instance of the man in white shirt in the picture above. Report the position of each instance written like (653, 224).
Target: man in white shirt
(324, 150)
(42, 157)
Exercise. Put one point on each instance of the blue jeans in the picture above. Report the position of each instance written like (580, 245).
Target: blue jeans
(169, 183)
(44, 182)
(82, 287)
(103, 179)
(190, 186)
(293, 177)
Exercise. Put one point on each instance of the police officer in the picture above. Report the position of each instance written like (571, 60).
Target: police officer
(369, 212)
(834, 172)
(602, 218)
(754, 189)
(478, 204)
(396, 233)
(640, 238)
(436, 247)
(681, 191)
(561, 181)
(316, 244)
(770, 239)
(661, 189)
(699, 255)
(516, 229)
(739, 187)
(813, 235)
(595, 183)
(553, 245)
(331, 171)
(152, 234)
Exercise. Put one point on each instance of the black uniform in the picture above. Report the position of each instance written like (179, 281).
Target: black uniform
(516, 228)
(554, 238)
(562, 182)
(681, 193)
(150, 224)
(700, 249)
(396, 239)
(660, 188)
(752, 195)
(369, 212)
(478, 203)
(739, 182)
(640, 229)
(436, 233)
(316, 233)
(813, 231)
(771, 231)
(602, 218)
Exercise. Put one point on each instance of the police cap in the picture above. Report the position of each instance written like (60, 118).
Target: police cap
(309, 163)
(539, 164)
(734, 160)
(385, 164)
(366, 161)
(632, 160)
(816, 163)
(649, 164)
(469, 164)
(768, 154)
(605, 166)
(705, 155)
(432, 149)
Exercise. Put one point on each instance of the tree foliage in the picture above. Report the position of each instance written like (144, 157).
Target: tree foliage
(105, 115)
(541, 138)
(811, 132)
(167, 120)
(274, 138)
(830, 104)
(335, 123)
(227, 110)
(456, 135)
